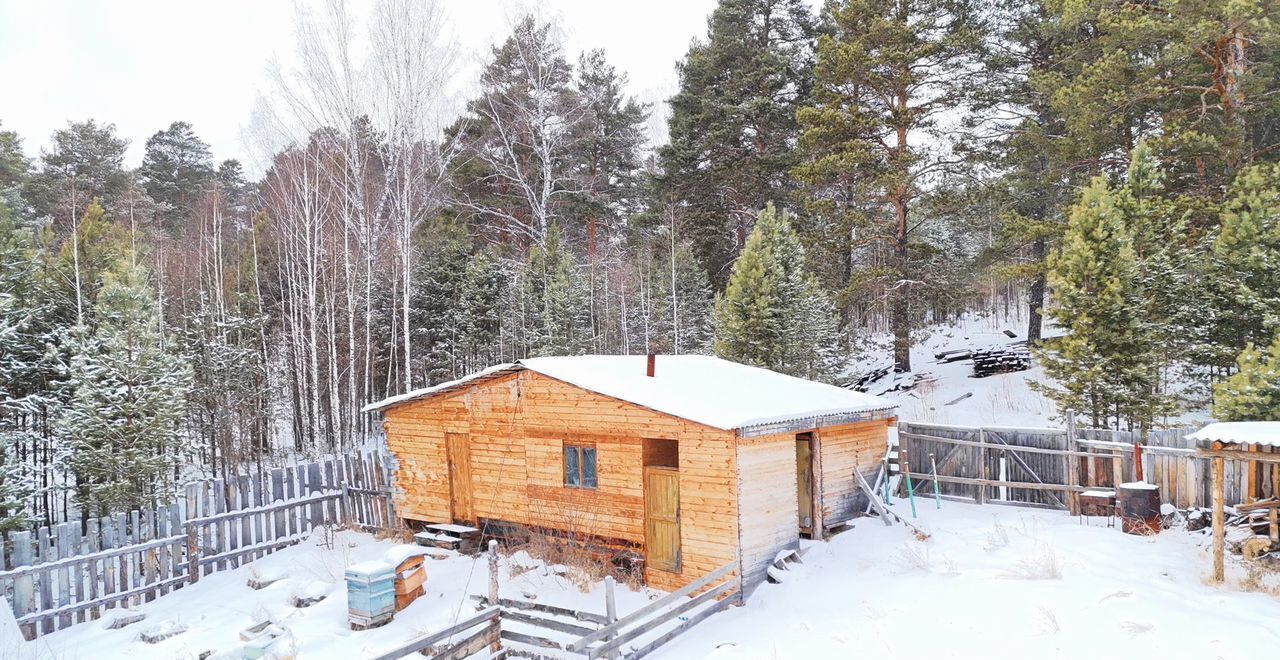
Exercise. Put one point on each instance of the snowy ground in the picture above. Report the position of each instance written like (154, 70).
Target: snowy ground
(995, 582)
(217, 608)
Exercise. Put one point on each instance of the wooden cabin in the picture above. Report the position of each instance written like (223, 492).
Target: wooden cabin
(690, 461)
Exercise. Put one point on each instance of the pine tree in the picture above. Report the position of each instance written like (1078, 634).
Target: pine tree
(1253, 392)
(84, 161)
(176, 169)
(886, 71)
(733, 123)
(773, 314)
(122, 423)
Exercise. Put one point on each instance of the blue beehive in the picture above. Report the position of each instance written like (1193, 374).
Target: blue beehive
(371, 593)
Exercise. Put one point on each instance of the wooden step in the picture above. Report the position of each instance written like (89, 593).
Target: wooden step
(437, 540)
(451, 529)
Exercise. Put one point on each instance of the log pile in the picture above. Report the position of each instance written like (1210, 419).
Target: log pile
(1000, 360)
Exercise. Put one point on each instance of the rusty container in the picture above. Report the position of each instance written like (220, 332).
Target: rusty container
(1139, 508)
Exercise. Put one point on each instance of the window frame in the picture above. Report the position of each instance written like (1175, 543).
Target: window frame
(580, 450)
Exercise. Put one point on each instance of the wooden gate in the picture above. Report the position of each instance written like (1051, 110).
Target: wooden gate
(662, 518)
(459, 447)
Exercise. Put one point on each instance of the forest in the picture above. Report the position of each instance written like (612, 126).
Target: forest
(829, 185)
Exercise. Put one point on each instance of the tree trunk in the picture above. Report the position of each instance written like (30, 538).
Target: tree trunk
(1035, 306)
(900, 310)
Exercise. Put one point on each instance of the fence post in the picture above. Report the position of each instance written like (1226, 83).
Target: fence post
(493, 586)
(1073, 464)
(611, 608)
(982, 466)
(193, 554)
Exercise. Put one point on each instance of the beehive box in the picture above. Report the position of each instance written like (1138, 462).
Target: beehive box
(410, 573)
(371, 593)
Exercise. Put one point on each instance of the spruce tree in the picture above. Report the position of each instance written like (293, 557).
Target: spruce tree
(1107, 363)
(1253, 392)
(1242, 279)
(481, 308)
(773, 314)
(436, 307)
(557, 300)
(122, 423)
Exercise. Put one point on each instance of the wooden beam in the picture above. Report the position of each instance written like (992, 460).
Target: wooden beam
(662, 619)
(654, 606)
(1219, 525)
(1238, 455)
(426, 642)
(923, 476)
(871, 495)
(1073, 465)
(1027, 450)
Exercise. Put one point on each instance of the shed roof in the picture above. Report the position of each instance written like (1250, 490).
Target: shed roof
(1244, 433)
(699, 388)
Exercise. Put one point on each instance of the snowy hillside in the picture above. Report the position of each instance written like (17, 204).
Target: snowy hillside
(948, 393)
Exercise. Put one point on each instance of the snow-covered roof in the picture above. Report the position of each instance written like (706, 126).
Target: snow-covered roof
(699, 388)
(1245, 433)
(440, 388)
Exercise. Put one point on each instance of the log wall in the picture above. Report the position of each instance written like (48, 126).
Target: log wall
(844, 449)
(517, 425)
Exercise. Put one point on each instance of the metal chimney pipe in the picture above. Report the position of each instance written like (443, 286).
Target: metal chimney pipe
(652, 359)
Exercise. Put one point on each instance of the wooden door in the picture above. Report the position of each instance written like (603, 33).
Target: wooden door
(804, 483)
(459, 447)
(662, 518)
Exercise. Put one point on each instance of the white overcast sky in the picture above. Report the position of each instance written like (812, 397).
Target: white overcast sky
(142, 64)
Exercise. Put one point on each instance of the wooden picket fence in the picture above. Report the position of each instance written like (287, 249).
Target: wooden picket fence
(56, 577)
(1045, 467)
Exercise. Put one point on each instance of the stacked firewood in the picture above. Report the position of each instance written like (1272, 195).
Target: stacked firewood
(1002, 359)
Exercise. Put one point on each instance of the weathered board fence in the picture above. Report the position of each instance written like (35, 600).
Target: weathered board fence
(1046, 467)
(56, 577)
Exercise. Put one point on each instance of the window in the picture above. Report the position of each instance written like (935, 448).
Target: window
(579, 466)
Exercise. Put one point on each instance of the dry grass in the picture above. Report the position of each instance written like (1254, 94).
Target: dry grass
(997, 538)
(1261, 576)
(1044, 566)
(914, 557)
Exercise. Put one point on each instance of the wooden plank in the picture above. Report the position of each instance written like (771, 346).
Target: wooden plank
(1219, 526)
(513, 603)
(1073, 465)
(490, 635)
(62, 534)
(654, 606)
(531, 640)
(428, 640)
(662, 619)
(23, 585)
(44, 576)
(982, 444)
(77, 607)
(1030, 485)
(684, 626)
(550, 624)
(871, 497)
